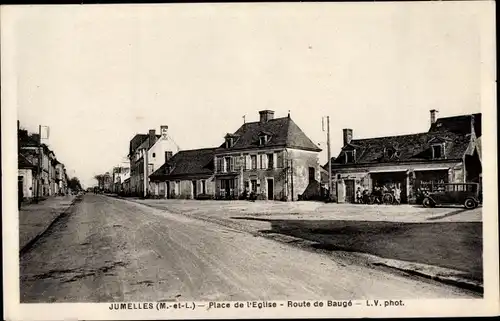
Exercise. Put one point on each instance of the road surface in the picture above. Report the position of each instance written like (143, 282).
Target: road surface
(109, 250)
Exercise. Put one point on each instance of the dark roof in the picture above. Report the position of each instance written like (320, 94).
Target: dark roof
(458, 124)
(26, 140)
(414, 147)
(187, 163)
(139, 140)
(454, 132)
(23, 162)
(282, 131)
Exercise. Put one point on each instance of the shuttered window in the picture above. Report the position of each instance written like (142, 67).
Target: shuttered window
(254, 161)
(280, 162)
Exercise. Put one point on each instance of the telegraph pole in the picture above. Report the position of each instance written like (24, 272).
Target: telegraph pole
(329, 158)
(40, 158)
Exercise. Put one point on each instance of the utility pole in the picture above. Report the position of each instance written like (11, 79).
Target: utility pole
(40, 158)
(329, 158)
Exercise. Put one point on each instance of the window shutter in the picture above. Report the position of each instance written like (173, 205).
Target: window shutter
(279, 160)
(237, 162)
(249, 162)
(231, 164)
(219, 164)
(275, 160)
(264, 161)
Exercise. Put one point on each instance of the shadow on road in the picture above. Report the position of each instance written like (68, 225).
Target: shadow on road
(454, 245)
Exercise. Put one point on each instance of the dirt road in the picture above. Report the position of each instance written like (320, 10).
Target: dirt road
(114, 250)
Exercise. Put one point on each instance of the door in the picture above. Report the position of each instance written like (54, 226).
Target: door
(168, 189)
(195, 192)
(312, 174)
(349, 190)
(270, 189)
(20, 191)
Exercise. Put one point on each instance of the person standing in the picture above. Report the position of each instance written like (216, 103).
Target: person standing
(397, 193)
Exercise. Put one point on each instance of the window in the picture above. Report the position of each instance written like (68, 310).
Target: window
(349, 156)
(389, 152)
(270, 161)
(154, 155)
(254, 161)
(263, 140)
(437, 151)
(203, 187)
(228, 165)
(229, 142)
(254, 185)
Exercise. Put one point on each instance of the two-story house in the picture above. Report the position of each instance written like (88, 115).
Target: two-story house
(146, 154)
(447, 153)
(272, 158)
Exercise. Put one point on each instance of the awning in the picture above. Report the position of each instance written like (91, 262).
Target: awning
(432, 169)
(388, 171)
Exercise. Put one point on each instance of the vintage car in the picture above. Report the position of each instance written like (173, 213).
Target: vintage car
(466, 194)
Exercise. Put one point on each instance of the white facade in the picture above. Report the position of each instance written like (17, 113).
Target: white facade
(156, 154)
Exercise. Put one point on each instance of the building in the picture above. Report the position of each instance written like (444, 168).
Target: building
(26, 177)
(147, 154)
(120, 174)
(188, 174)
(271, 158)
(448, 152)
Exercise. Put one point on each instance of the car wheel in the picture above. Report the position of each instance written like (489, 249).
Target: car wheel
(427, 202)
(470, 204)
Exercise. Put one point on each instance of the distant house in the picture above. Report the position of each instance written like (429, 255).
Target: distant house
(448, 152)
(272, 158)
(187, 174)
(146, 155)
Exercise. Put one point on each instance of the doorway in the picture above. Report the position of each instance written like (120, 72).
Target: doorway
(270, 189)
(349, 190)
(194, 189)
(312, 174)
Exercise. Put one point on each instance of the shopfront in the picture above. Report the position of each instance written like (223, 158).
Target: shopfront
(389, 180)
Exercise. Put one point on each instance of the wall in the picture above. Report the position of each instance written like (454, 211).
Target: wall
(362, 177)
(182, 188)
(300, 162)
(281, 173)
(28, 182)
(162, 145)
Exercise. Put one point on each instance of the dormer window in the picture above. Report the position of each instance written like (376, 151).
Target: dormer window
(229, 142)
(389, 152)
(349, 156)
(262, 140)
(437, 151)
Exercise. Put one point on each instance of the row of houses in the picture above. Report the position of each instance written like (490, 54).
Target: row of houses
(40, 173)
(273, 159)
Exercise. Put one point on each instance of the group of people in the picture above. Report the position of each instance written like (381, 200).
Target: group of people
(363, 196)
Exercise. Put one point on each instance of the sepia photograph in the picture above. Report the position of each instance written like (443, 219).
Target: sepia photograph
(253, 160)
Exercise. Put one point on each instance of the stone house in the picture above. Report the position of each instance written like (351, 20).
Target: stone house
(188, 174)
(146, 154)
(447, 153)
(272, 158)
(26, 175)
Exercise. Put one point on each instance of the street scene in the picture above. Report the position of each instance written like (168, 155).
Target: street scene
(332, 162)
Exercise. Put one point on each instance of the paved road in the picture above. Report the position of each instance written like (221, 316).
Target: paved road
(114, 250)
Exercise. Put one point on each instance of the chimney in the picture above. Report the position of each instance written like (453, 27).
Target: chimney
(164, 131)
(168, 155)
(266, 115)
(152, 137)
(433, 116)
(347, 135)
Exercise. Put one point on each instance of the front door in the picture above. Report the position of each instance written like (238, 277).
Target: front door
(270, 189)
(194, 189)
(349, 190)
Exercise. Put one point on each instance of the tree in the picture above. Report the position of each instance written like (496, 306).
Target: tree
(100, 181)
(74, 184)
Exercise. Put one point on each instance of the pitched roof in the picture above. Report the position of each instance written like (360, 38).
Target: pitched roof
(23, 162)
(282, 131)
(139, 141)
(414, 147)
(187, 163)
(458, 124)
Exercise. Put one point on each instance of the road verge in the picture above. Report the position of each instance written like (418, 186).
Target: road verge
(41, 226)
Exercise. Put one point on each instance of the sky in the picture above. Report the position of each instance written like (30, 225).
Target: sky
(97, 75)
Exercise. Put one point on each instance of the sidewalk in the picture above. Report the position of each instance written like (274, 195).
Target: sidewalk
(444, 244)
(35, 219)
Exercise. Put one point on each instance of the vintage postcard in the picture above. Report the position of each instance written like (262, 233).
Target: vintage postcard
(253, 160)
